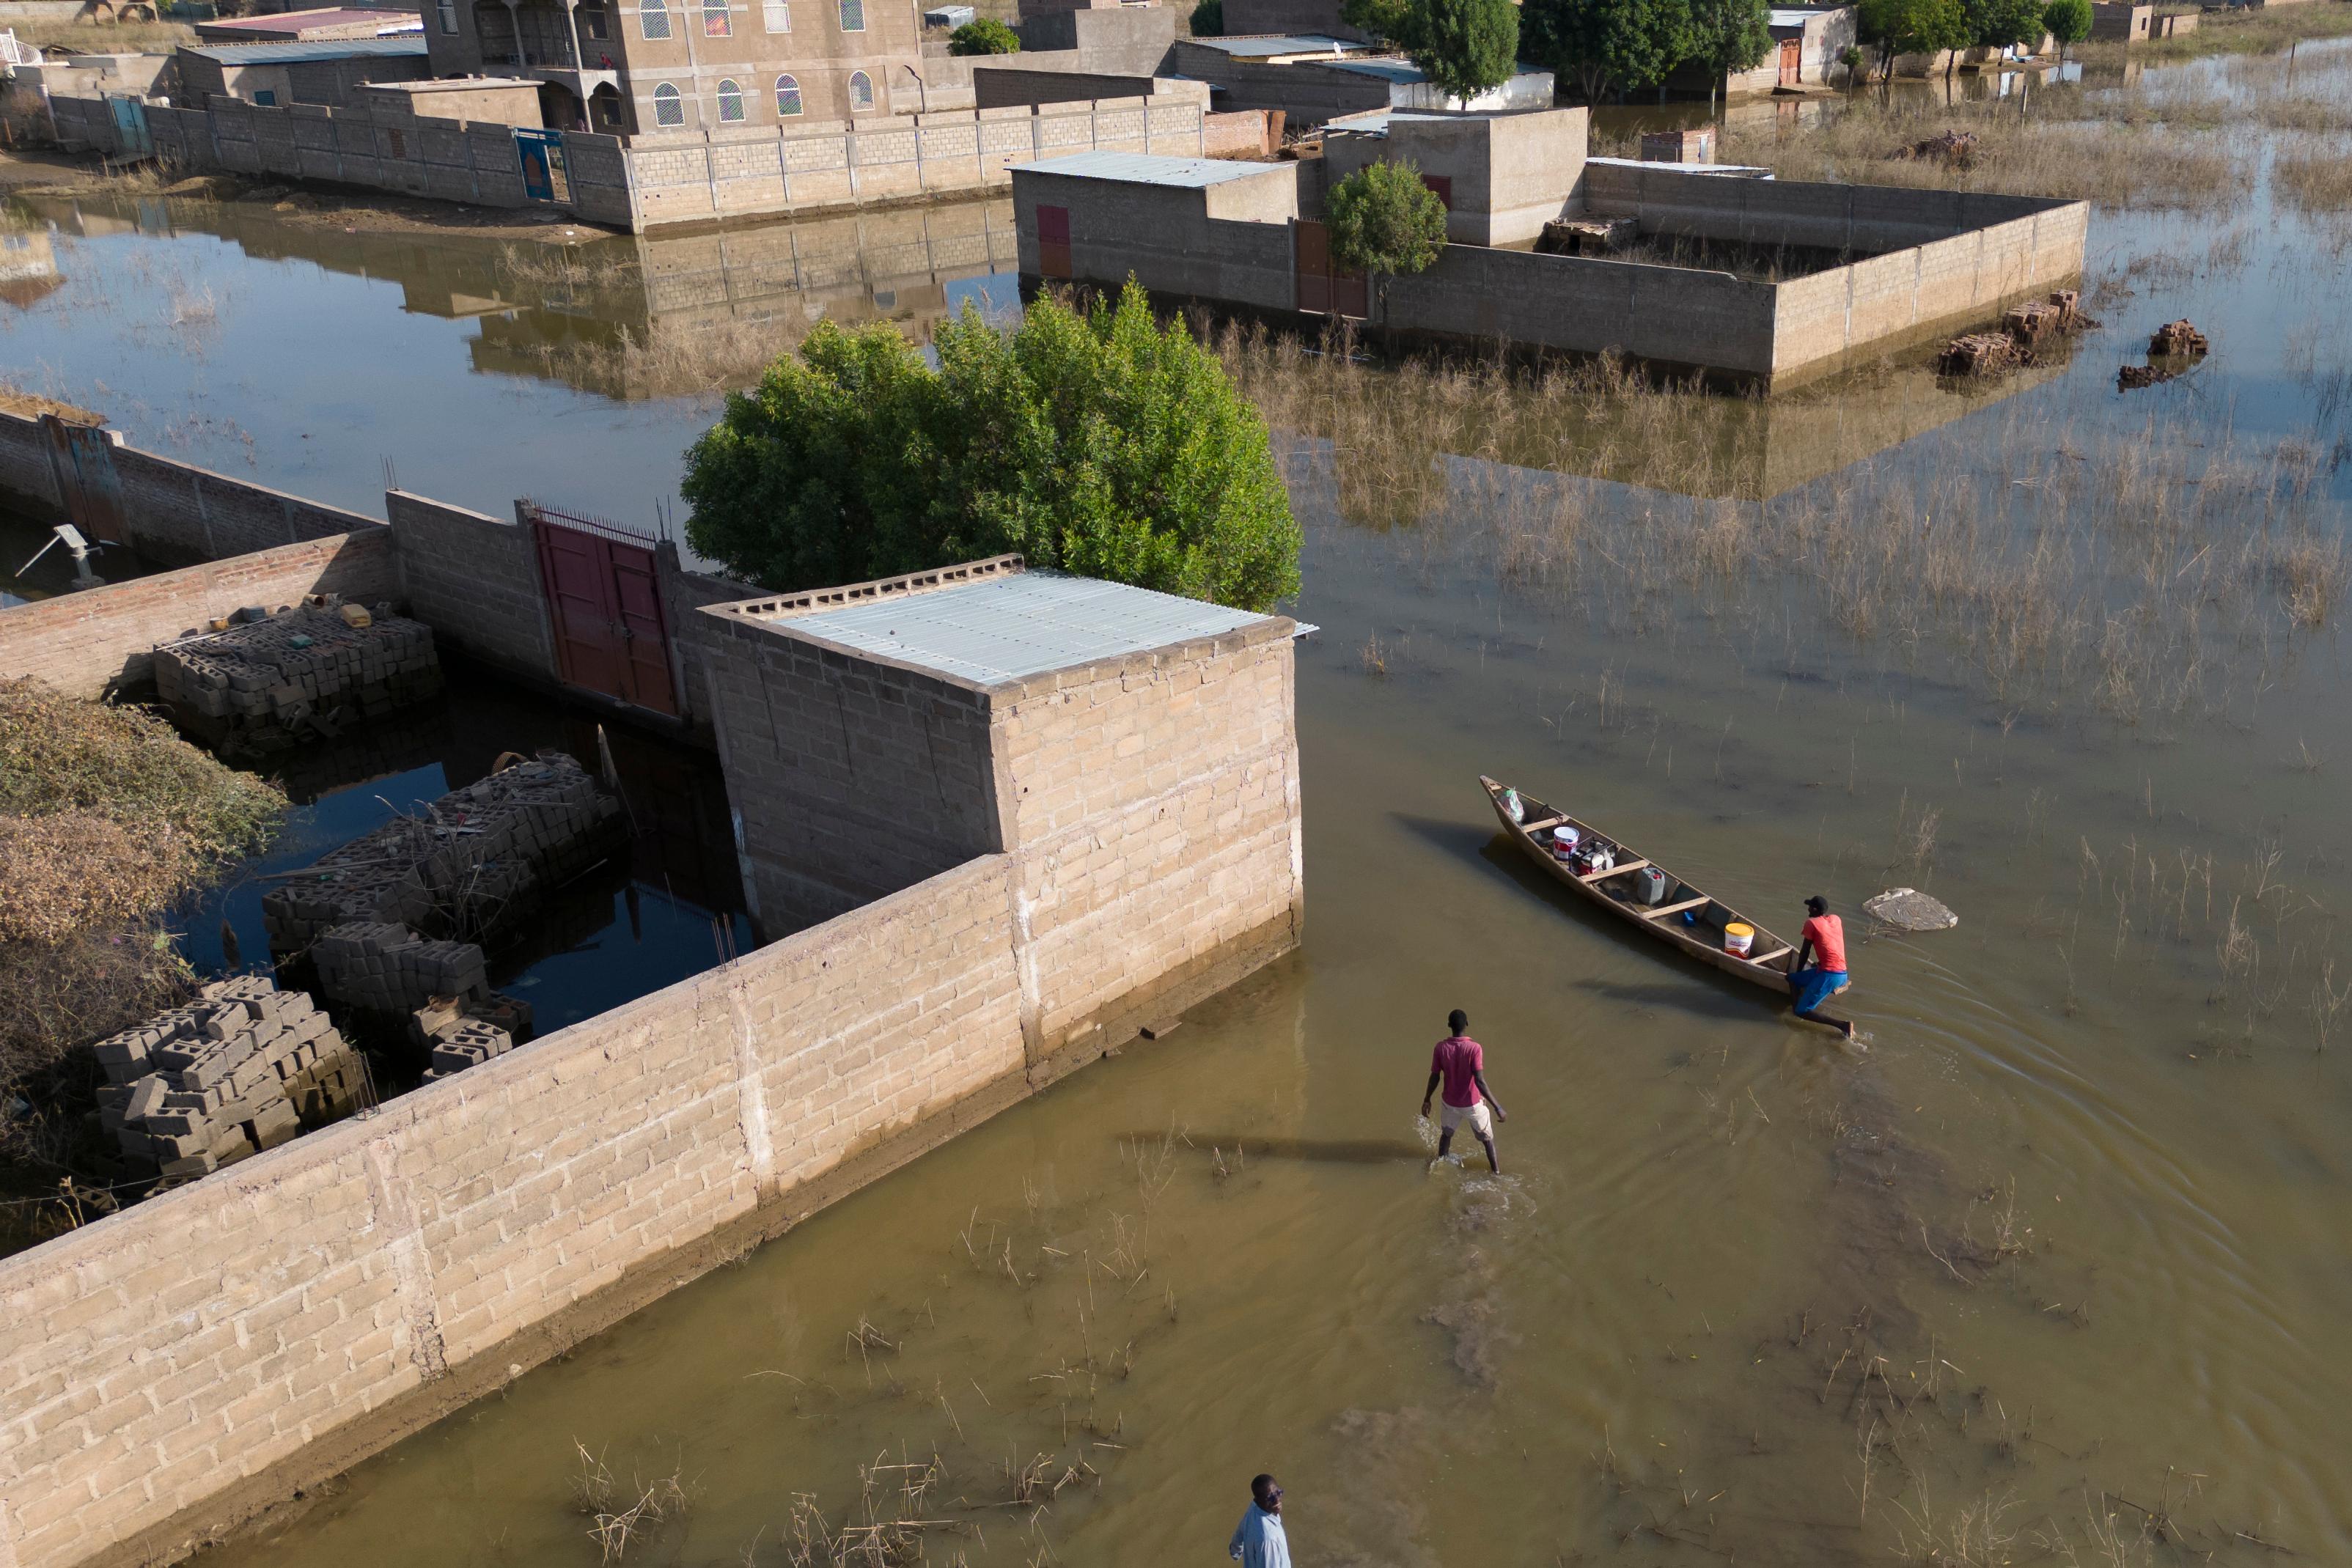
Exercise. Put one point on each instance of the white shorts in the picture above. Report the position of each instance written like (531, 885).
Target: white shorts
(1480, 1122)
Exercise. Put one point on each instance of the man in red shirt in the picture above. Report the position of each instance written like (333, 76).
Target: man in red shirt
(1460, 1063)
(1823, 940)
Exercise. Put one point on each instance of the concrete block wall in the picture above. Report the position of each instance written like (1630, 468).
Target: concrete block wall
(1164, 235)
(175, 511)
(851, 777)
(1863, 220)
(473, 578)
(694, 176)
(169, 1365)
(84, 643)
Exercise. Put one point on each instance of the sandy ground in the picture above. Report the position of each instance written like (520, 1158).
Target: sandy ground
(31, 171)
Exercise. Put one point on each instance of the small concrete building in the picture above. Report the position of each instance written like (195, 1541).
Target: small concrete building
(1788, 280)
(494, 100)
(274, 75)
(306, 26)
(1315, 78)
(2120, 24)
(1806, 42)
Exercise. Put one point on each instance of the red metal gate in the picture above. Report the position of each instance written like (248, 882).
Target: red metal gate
(1322, 289)
(604, 602)
(1793, 61)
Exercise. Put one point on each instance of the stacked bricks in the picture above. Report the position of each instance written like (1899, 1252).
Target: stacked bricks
(230, 1074)
(265, 680)
(394, 918)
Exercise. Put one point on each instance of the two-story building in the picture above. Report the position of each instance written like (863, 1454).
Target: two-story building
(639, 67)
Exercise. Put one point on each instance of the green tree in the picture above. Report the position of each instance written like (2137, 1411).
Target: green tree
(2068, 21)
(1912, 27)
(1608, 45)
(986, 37)
(1099, 442)
(1728, 36)
(1463, 46)
(1998, 24)
(1386, 222)
(1209, 19)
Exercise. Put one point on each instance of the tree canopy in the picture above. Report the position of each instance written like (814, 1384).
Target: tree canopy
(1912, 27)
(2068, 21)
(1608, 45)
(1463, 46)
(1208, 19)
(1383, 219)
(1998, 24)
(1729, 35)
(1097, 441)
(985, 37)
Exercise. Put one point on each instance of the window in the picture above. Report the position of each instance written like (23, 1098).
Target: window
(653, 18)
(592, 22)
(715, 21)
(668, 108)
(730, 103)
(852, 16)
(266, 96)
(448, 9)
(861, 90)
(778, 14)
(787, 97)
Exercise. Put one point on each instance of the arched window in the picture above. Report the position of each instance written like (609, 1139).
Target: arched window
(787, 97)
(852, 16)
(715, 21)
(861, 92)
(653, 18)
(668, 108)
(731, 102)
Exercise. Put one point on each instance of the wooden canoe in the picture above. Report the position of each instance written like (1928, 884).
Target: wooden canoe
(1688, 920)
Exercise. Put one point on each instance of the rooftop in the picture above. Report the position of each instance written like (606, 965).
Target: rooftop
(1268, 47)
(450, 84)
(315, 50)
(1014, 625)
(332, 16)
(1149, 169)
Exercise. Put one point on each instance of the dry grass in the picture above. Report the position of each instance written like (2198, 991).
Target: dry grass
(2243, 32)
(2314, 176)
(2104, 147)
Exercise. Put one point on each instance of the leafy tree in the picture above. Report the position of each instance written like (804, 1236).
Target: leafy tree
(1208, 19)
(1727, 35)
(1608, 45)
(1097, 441)
(1463, 46)
(1998, 24)
(1912, 27)
(1385, 222)
(2068, 21)
(985, 37)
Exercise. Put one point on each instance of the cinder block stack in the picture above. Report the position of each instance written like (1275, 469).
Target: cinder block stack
(381, 915)
(469, 1043)
(264, 681)
(234, 1072)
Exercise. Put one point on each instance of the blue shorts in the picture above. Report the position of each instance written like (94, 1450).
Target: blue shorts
(1808, 988)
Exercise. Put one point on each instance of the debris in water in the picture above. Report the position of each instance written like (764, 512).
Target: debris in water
(1958, 149)
(2176, 339)
(1910, 910)
(2131, 378)
(2025, 329)
(1979, 354)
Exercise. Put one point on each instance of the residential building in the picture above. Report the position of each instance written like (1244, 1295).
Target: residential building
(643, 67)
(273, 75)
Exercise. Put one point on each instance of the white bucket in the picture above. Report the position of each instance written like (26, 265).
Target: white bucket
(1738, 938)
(1564, 841)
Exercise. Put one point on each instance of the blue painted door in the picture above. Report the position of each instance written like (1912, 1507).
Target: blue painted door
(541, 153)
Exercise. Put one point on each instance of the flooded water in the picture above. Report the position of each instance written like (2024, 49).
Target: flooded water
(2050, 1270)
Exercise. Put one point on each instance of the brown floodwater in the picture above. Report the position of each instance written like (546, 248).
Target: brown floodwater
(2058, 1256)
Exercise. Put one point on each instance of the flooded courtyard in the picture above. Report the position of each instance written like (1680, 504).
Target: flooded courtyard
(2050, 1268)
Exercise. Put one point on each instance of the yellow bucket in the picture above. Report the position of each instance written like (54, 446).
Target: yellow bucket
(1739, 938)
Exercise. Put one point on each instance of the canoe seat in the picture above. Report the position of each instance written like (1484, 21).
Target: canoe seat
(1538, 827)
(1775, 954)
(1664, 910)
(1614, 871)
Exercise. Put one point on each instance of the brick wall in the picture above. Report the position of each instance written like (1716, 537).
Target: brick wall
(83, 643)
(156, 1359)
(473, 578)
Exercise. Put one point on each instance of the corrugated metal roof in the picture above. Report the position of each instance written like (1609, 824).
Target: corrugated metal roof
(1148, 169)
(315, 50)
(1027, 623)
(1388, 70)
(1259, 48)
(320, 17)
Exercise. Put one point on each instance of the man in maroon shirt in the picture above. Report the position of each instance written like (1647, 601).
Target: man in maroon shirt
(1460, 1063)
